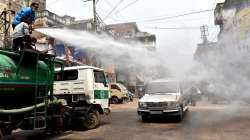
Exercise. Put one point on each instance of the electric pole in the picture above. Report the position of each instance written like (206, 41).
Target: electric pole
(94, 14)
(204, 33)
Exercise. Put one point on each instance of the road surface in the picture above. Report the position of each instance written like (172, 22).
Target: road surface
(203, 122)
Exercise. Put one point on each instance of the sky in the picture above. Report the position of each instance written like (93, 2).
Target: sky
(179, 42)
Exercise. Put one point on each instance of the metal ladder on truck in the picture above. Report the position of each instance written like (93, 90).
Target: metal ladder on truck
(40, 113)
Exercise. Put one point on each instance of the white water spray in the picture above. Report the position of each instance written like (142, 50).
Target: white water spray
(152, 63)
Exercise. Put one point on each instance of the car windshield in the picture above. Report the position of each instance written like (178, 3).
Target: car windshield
(162, 88)
(122, 87)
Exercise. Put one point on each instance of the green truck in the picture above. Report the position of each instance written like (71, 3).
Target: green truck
(27, 99)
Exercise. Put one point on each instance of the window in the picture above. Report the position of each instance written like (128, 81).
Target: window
(162, 87)
(115, 87)
(99, 76)
(66, 75)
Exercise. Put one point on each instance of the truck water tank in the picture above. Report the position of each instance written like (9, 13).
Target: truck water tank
(21, 79)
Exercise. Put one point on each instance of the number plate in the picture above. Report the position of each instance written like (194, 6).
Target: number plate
(155, 112)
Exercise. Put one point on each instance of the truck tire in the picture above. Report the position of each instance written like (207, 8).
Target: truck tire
(92, 120)
(6, 130)
(1, 134)
(114, 100)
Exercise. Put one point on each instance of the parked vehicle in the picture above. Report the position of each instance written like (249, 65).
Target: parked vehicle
(163, 98)
(118, 93)
(84, 88)
(130, 96)
(194, 95)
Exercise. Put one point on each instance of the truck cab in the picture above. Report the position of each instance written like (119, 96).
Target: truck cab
(85, 90)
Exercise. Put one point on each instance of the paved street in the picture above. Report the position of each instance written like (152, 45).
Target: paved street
(205, 122)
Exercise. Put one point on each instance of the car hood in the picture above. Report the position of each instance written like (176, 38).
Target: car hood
(160, 97)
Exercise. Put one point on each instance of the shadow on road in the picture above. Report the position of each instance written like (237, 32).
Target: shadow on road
(36, 135)
(165, 119)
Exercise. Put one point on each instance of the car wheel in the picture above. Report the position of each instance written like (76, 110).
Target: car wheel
(92, 120)
(114, 100)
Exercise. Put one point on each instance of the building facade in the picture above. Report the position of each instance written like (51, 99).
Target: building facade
(129, 33)
(233, 18)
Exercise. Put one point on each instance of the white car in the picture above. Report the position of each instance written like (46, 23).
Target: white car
(163, 98)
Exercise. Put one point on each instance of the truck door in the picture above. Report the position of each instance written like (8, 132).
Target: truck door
(101, 90)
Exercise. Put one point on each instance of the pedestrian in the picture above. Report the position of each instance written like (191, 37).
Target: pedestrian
(28, 12)
(21, 35)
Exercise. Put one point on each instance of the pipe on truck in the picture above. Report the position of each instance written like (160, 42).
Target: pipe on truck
(26, 109)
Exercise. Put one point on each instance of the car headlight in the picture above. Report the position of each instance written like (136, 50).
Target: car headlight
(142, 104)
(173, 104)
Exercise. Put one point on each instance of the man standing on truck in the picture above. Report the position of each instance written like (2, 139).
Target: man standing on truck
(28, 12)
(21, 35)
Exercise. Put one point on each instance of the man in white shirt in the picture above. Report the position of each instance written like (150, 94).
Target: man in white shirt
(21, 35)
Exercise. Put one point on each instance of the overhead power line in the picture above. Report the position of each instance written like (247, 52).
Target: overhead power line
(177, 28)
(176, 16)
(113, 9)
(125, 7)
(118, 13)
(180, 20)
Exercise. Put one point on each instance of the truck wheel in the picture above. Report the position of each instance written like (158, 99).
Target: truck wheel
(6, 130)
(114, 100)
(1, 134)
(92, 120)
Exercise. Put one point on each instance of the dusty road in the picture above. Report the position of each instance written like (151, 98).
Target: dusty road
(204, 122)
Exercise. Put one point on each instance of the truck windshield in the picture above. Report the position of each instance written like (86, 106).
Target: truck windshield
(162, 88)
(99, 76)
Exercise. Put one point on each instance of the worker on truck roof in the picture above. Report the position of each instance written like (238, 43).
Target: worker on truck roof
(21, 35)
(28, 12)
